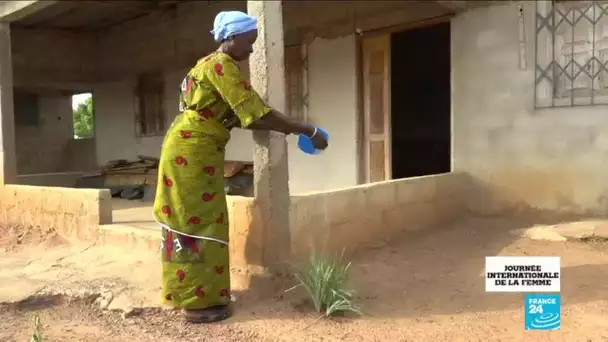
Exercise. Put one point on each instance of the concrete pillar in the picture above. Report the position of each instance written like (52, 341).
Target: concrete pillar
(271, 173)
(8, 162)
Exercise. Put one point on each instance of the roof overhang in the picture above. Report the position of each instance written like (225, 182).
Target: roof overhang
(12, 10)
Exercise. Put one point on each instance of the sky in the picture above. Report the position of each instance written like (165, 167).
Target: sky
(78, 99)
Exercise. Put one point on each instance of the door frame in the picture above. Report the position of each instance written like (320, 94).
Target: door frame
(362, 171)
(371, 46)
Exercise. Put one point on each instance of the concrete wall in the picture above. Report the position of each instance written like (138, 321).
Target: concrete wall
(54, 59)
(52, 63)
(41, 148)
(350, 219)
(520, 159)
(365, 215)
(74, 214)
(80, 155)
(50, 146)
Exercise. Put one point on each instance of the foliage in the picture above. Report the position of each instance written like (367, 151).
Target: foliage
(83, 119)
(325, 280)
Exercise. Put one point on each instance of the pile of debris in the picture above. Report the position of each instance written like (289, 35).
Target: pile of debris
(136, 180)
(238, 178)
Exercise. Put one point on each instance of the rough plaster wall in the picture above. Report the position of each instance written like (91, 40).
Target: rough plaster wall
(161, 40)
(41, 148)
(57, 59)
(520, 158)
(80, 155)
(44, 62)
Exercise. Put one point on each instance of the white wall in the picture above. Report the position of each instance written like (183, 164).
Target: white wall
(333, 106)
(519, 158)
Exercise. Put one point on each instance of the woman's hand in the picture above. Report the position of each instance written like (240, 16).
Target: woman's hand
(318, 141)
(276, 121)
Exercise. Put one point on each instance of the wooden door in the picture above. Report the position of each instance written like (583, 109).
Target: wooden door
(377, 111)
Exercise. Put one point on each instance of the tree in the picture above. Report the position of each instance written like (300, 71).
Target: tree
(83, 119)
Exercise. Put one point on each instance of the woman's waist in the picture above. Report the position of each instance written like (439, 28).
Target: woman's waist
(208, 232)
(188, 126)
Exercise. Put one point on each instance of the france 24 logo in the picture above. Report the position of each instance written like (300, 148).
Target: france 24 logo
(543, 311)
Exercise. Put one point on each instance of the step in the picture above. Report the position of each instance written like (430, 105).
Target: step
(129, 236)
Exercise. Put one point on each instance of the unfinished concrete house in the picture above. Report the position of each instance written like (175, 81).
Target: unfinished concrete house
(434, 108)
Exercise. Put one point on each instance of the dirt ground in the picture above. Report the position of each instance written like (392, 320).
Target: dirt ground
(427, 287)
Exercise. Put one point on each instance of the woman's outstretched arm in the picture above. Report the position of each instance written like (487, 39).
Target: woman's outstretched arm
(276, 121)
(247, 105)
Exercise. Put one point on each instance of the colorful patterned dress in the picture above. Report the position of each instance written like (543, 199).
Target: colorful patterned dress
(190, 203)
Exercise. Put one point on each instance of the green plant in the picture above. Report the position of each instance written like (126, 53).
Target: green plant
(83, 119)
(324, 279)
(36, 336)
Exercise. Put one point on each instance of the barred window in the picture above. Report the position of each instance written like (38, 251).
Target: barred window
(571, 53)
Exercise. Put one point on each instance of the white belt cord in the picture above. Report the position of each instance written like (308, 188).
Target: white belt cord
(192, 236)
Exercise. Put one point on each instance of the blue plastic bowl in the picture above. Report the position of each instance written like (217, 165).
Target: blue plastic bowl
(305, 143)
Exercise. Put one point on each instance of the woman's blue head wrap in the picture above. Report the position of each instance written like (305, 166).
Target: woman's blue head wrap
(230, 23)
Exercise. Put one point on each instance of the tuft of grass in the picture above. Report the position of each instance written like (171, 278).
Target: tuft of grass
(325, 278)
(36, 336)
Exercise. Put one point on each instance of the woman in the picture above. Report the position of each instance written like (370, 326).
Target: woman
(190, 203)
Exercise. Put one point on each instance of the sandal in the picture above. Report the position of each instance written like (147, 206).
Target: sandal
(208, 315)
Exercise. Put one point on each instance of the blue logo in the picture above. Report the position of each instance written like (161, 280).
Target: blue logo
(543, 311)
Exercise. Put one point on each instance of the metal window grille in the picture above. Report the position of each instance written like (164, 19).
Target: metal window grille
(571, 53)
